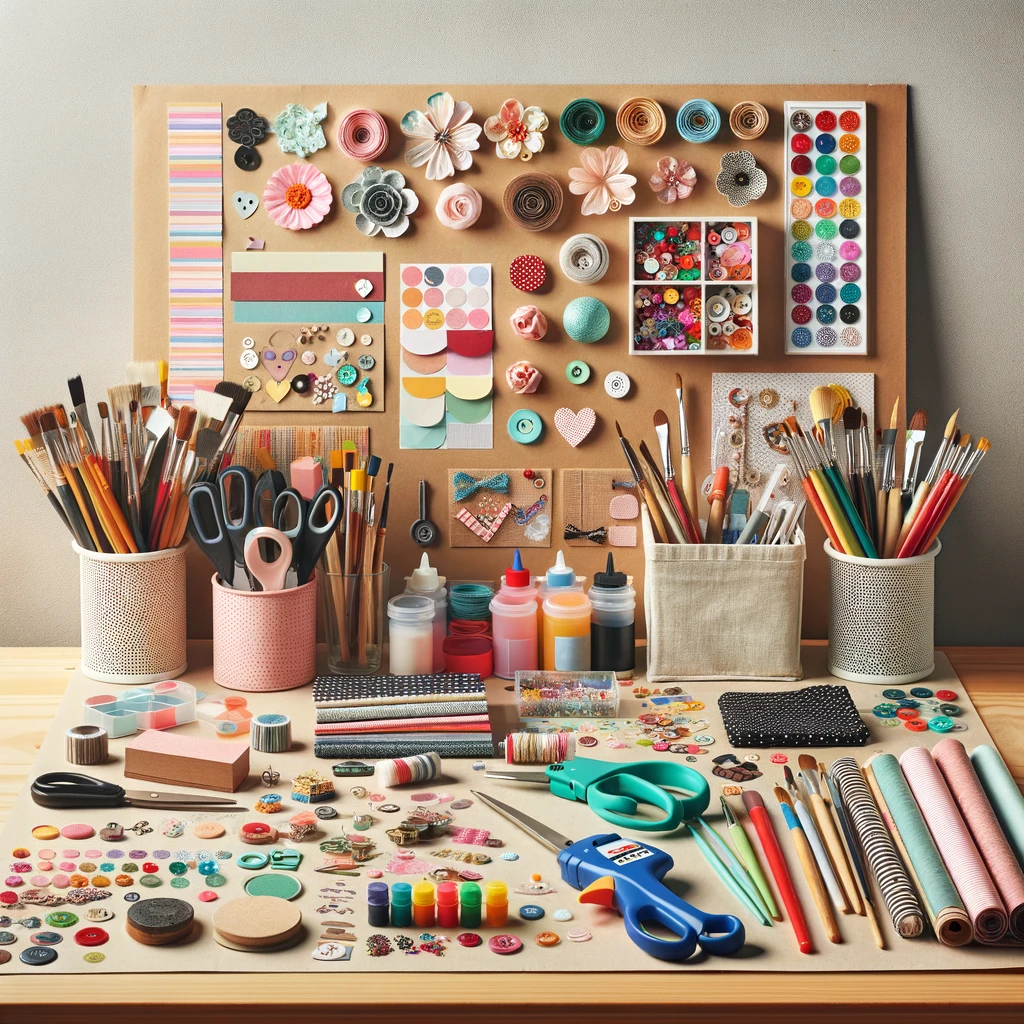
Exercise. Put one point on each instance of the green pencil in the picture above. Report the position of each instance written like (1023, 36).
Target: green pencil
(747, 855)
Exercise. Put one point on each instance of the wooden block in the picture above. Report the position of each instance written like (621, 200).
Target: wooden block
(165, 757)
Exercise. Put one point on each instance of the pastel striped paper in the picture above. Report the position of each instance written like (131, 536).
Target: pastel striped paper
(485, 533)
(195, 247)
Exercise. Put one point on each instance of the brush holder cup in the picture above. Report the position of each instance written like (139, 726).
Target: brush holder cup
(881, 617)
(264, 640)
(133, 615)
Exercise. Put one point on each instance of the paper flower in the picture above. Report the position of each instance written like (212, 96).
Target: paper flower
(448, 136)
(529, 323)
(740, 180)
(458, 206)
(672, 179)
(298, 129)
(523, 378)
(380, 201)
(297, 197)
(601, 180)
(516, 132)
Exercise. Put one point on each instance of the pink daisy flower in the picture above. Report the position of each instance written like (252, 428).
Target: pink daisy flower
(601, 180)
(297, 197)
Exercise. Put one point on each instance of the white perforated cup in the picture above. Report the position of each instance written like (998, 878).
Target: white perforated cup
(133, 615)
(881, 617)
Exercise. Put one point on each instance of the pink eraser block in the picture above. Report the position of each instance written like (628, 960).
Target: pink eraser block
(157, 756)
(307, 476)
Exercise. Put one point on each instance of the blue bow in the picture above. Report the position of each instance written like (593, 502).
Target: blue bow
(465, 485)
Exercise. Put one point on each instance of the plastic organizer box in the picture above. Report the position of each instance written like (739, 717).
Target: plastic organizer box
(160, 706)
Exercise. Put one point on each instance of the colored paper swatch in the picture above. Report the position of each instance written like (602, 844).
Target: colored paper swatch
(195, 193)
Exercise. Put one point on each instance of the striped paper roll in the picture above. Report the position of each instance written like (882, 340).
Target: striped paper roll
(952, 837)
(1003, 794)
(946, 909)
(963, 782)
(885, 864)
(640, 121)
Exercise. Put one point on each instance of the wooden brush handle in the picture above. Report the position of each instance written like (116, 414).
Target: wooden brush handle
(893, 515)
(816, 885)
(819, 511)
(690, 494)
(913, 512)
(715, 519)
(692, 533)
(827, 829)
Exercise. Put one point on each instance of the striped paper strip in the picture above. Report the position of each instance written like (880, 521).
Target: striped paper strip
(467, 518)
(195, 233)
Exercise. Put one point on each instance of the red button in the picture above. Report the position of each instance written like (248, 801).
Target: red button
(825, 121)
(800, 164)
(849, 120)
(469, 939)
(255, 828)
(916, 725)
(907, 714)
(801, 143)
(150, 868)
(527, 273)
(714, 238)
(946, 695)
(91, 936)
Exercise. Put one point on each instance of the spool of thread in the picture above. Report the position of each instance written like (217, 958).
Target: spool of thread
(362, 135)
(470, 601)
(584, 259)
(582, 122)
(586, 319)
(698, 121)
(748, 120)
(271, 734)
(539, 747)
(641, 121)
(533, 201)
(400, 771)
(85, 744)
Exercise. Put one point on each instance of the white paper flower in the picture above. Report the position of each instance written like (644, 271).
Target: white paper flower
(448, 136)
(516, 132)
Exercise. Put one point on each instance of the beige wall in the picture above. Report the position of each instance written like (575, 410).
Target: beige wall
(65, 207)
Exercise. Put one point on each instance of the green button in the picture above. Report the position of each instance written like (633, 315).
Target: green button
(577, 372)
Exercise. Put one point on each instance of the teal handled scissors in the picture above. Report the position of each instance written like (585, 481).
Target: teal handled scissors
(615, 791)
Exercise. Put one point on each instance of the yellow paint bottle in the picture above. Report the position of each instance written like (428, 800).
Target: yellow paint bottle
(567, 631)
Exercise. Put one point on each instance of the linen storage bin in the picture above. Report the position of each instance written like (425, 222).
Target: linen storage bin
(881, 617)
(723, 611)
(264, 640)
(133, 615)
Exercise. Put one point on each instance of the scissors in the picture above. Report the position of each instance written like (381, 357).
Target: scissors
(69, 789)
(627, 875)
(271, 575)
(236, 498)
(615, 791)
(311, 526)
(206, 527)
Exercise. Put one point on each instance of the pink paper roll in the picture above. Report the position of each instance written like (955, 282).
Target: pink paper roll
(963, 782)
(952, 837)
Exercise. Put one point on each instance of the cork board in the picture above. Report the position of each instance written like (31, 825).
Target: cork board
(497, 241)
(530, 522)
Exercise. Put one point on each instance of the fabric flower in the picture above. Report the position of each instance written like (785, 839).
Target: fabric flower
(380, 201)
(529, 323)
(459, 206)
(523, 378)
(601, 180)
(297, 197)
(298, 129)
(448, 135)
(672, 179)
(740, 180)
(516, 132)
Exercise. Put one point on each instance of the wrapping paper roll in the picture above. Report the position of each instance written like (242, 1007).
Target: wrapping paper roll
(1006, 799)
(952, 837)
(890, 876)
(963, 782)
(949, 918)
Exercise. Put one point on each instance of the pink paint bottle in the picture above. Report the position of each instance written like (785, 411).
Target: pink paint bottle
(514, 623)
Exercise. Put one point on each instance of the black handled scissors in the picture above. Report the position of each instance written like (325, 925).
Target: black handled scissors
(309, 529)
(236, 496)
(70, 789)
(206, 527)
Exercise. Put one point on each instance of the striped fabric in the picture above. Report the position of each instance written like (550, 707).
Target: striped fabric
(885, 864)
(444, 723)
(377, 746)
(196, 277)
(376, 711)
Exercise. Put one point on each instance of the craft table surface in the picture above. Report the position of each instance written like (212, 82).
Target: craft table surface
(32, 681)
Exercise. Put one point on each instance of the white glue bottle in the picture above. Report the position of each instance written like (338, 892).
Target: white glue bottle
(425, 582)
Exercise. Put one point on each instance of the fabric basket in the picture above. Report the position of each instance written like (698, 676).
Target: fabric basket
(723, 611)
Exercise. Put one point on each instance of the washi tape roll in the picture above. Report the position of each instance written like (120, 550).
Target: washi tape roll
(748, 120)
(698, 121)
(533, 201)
(584, 259)
(271, 734)
(582, 122)
(362, 135)
(85, 744)
(640, 121)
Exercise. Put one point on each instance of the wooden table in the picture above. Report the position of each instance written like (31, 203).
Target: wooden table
(32, 681)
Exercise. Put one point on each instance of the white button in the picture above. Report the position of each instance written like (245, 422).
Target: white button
(717, 308)
(309, 358)
(728, 235)
(617, 384)
(728, 328)
(364, 315)
(249, 359)
(714, 330)
(741, 305)
(346, 337)
(651, 265)
(248, 343)
(365, 339)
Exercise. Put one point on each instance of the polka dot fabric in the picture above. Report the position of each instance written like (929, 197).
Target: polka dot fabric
(527, 273)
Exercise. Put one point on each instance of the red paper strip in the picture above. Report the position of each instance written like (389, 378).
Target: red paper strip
(329, 286)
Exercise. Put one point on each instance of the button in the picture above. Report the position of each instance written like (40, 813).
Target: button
(907, 714)
(717, 308)
(253, 861)
(921, 692)
(547, 939)
(527, 273)
(916, 725)
(346, 337)
(531, 912)
(729, 234)
(504, 944)
(99, 914)
(800, 121)
(347, 375)
(617, 384)
(469, 939)
(91, 936)
(800, 186)
(884, 711)
(940, 723)
(252, 384)
(46, 938)
(366, 361)
(309, 358)
(742, 304)
(849, 314)
(946, 694)
(364, 315)
(249, 359)
(800, 143)
(894, 694)
(525, 426)
(38, 956)
(247, 158)
(825, 143)
(825, 121)
(577, 372)
(951, 710)
(366, 339)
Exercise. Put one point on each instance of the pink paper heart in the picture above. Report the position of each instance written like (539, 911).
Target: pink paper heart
(278, 364)
(575, 426)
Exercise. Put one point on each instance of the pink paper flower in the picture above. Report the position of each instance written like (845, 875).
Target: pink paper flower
(529, 323)
(297, 197)
(672, 179)
(523, 378)
(516, 132)
(602, 181)
(448, 137)
(458, 206)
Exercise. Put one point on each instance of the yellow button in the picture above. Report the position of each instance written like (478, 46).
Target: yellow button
(671, 296)
(800, 186)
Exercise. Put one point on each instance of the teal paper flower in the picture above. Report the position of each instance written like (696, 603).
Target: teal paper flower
(380, 201)
(298, 129)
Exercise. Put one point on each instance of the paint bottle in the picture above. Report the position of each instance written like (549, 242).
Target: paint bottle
(423, 905)
(567, 631)
(559, 577)
(514, 622)
(612, 625)
(425, 582)
(401, 905)
(377, 904)
(411, 629)
(497, 905)
(447, 905)
(469, 898)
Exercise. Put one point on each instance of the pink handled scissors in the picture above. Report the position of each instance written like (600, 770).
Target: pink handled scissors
(270, 575)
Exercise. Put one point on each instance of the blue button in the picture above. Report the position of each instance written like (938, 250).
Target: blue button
(525, 426)
(825, 293)
(531, 912)
(801, 337)
(825, 186)
(826, 314)
(825, 143)
(801, 272)
(922, 692)
(894, 694)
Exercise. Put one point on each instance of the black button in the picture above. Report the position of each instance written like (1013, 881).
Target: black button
(38, 956)
(247, 158)
(300, 384)
(849, 314)
(849, 229)
(325, 813)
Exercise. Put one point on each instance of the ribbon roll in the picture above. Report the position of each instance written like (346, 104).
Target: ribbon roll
(598, 536)
(641, 121)
(533, 201)
(584, 259)
(362, 135)
(582, 122)
(698, 121)
(748, 120)
(465, 485)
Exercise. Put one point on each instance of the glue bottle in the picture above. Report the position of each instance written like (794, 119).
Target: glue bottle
(567, 631)
(612, 625)
(469, 898)
(425, 582)
(559, 577)
(497, 904)
(447, 905)
(514, 622)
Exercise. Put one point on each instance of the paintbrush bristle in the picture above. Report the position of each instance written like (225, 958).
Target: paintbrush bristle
(239, 395)
(894, 418)
(783, 797)
(660, 419)
(47, 421)
(146, 374)
(61, 416)
(185, 422)
(207, 442)
(852, 417)
(30, 421)
(788, 775)
(950, 425)
(807, 763)
(211, 406)
(618, 429)
(77, 390)
(821, 403)
(679, 383)
(919, 421)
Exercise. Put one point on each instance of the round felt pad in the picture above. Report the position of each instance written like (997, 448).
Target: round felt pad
(285, 887)
(257, 921)
(154, 922)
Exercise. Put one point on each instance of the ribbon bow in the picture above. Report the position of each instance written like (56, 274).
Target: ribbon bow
(465, 485)
(598, 536)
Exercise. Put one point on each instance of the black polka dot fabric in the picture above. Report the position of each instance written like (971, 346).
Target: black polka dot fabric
(816, 716)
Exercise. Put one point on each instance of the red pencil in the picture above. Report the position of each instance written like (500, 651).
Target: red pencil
(773, 854)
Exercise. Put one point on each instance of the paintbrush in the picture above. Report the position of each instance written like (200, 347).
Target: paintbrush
(205, 448)
(658, 527)
(158, 424)
(163, 371)
(682, 511)
(685, 465)
(921, 493)
(866, 462)
(211, 409)
(171, 467)
(240, 397)
(76, 476)
(148, 376)
(77, 391)
(50, 434)
(29, 457)
(106, 441)
(889, 507)
(916, 431)
(657, 489)
(851, 431)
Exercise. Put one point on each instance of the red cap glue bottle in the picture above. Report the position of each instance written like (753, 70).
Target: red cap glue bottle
(514, 622)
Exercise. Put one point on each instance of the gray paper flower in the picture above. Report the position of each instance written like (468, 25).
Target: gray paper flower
(740, 180)
(380, 201)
